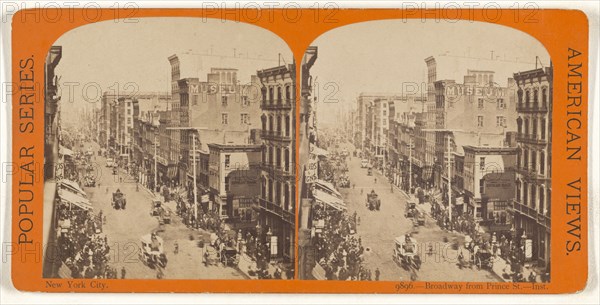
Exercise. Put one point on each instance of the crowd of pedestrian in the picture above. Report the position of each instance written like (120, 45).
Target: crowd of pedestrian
(84, 252)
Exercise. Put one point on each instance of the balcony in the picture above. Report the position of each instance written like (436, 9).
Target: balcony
(281, 104)
(531, 174)
(531, 139)
(275, 135)
(274, 170)
(277, 210)
(540, 218)
(532, 108)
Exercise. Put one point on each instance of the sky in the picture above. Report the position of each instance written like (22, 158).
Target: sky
(379, 56)
(109, 55)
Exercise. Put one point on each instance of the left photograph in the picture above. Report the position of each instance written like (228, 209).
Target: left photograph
(169, 152)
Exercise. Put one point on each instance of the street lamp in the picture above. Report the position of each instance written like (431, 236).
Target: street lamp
(448, 133)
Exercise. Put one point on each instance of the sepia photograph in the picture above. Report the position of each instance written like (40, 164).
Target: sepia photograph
(425, 153)
(169, 152)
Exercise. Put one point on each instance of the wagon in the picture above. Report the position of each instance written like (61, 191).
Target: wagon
(406, 253)
(229, 256)
(484, 259)
(152, 253)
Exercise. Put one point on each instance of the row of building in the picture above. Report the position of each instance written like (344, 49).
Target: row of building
(485, 145)
(240, 137)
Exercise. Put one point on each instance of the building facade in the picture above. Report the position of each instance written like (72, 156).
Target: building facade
(234, 180)
(278, 188)
(534, 161)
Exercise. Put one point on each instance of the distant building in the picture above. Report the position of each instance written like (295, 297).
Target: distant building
(478, 112)
(534, 161)
(220, 109)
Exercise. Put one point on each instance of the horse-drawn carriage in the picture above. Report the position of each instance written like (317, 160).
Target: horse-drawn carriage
(118, 200)
(484, 259)
(229, 256)
(410, 210)
(152, 253)
(373, 201)
(406, 253)
(156, 208)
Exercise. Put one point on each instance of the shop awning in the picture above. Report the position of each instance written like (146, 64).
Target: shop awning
(330, 200)
(75, 199)
(65, 151)
(64, 272)
(319, 273)
(328, 187)
(73, 187)
(319, 151)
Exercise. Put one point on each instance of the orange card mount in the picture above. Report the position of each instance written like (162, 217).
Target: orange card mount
(300, 151)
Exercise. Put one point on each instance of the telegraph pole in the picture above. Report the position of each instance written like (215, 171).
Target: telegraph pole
(410, 166)
(195, 184)
(194, 130)
(155, 163)
(448, 134)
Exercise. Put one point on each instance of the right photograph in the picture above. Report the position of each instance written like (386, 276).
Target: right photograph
(425, 154)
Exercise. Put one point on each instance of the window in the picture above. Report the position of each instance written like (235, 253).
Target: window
(245, 102)
(525, 193)
(481, 186)
(128, 120)
(480, 121)
(533, 196)
(534, 128)
(482, 163)
(128, 111)
(194, 99)
(542, 162)
(480, 103)
(544, 97)
(227, 184)
(227, 161)
(500, 121)
(543, 129)
(384, 112)
(501, 104)
(224, 100)
(244, 118)
(224, 118)
(541, 205)
(271, 95)
(279, 95)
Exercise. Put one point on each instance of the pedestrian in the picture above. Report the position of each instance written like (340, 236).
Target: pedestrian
(176, 248)
(377, 273)
(123, 272)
